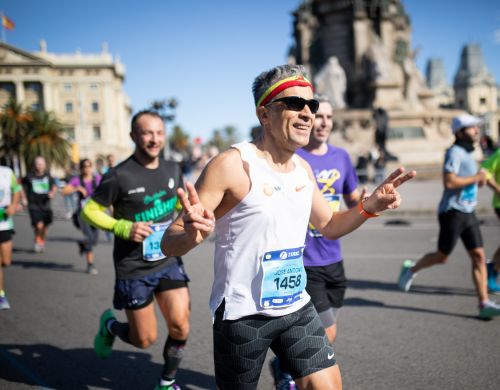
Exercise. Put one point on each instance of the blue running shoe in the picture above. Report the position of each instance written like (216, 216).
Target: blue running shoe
(493, 286)
(4, 303)
(282, 380)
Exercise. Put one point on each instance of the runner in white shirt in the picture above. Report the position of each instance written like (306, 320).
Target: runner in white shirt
(259, 197)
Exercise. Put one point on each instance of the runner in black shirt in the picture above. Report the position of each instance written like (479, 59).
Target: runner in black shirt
(39, 188)
(142, 193)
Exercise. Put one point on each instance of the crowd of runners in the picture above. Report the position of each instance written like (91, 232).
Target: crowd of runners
(273, 207)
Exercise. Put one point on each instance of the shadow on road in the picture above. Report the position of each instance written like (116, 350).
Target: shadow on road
(371, 303)
(48, 265)
(62, 239)
(415, 289)
(79, 369)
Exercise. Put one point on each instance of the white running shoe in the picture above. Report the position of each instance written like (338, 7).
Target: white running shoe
(406, 276)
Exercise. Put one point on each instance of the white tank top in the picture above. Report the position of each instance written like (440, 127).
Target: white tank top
(258, 267)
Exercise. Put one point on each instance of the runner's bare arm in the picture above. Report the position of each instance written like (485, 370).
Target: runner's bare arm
(452, 181)
(202, 203)
(384, 197)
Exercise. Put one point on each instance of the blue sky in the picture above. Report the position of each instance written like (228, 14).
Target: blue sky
(207, 53)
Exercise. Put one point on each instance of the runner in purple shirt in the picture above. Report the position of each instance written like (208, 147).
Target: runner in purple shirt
(336, 179)
(85, 184)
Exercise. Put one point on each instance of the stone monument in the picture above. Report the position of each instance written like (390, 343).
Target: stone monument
(370, 40)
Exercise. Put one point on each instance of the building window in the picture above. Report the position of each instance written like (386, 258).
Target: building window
(70, 133)
(96, 132)
(95, 107)
(94, 87)
(68, 107)
(67, 87)
(482, 101)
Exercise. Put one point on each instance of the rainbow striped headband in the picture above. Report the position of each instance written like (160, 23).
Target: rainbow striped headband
(281, 85)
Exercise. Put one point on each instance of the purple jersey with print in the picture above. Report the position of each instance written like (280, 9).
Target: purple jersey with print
(335, 176)
(75, 182)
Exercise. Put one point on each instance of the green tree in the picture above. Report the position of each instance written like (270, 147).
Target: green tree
(179, 140)
(45, 137)
(14, 122)
(223, 140)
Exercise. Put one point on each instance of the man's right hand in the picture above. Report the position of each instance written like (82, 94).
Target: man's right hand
(196, 218)
(139, 231)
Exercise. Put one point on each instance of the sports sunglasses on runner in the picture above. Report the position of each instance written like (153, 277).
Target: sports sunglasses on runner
(296, 103)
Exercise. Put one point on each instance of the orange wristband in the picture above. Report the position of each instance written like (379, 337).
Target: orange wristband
(365, 213)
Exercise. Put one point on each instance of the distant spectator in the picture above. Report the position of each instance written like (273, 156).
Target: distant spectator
(362, 168)
(379, 165)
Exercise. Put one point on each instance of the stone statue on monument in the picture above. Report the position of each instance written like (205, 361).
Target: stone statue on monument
(414, 83)
(381, 69)
(331, 81)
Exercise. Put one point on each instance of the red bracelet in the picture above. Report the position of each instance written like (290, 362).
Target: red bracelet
(365, 213)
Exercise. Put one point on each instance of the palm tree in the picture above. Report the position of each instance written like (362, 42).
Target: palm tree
(45, 137)
(13, 128)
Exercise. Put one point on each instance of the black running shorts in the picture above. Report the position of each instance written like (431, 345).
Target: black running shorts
(134, 294)
(454, 224)
(326, 285)
(6, 235)
(44, 216)
(240, 346)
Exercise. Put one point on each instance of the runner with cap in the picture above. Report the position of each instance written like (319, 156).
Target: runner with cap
(456, 214)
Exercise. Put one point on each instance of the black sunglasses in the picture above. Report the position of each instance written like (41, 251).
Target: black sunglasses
(296, 103)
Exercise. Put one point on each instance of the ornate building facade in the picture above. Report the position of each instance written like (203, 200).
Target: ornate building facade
(85, 91)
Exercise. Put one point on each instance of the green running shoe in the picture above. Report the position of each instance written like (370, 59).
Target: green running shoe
(103, 342)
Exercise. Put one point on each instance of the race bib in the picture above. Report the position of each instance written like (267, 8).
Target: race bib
(284, 278)
(41, 186)
(151, 246)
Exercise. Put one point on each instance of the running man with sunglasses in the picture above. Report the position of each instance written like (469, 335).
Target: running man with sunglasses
(259, 198)
(336, 179)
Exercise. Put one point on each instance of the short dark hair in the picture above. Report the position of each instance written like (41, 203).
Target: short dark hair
(135, 118)
(83, 161)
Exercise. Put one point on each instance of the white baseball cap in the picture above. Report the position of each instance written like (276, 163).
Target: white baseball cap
(464, 120)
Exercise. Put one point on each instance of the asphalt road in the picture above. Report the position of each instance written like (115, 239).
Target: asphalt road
(430, 338)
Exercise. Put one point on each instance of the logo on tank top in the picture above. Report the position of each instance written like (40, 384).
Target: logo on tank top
(171, 183)
(269, 189)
